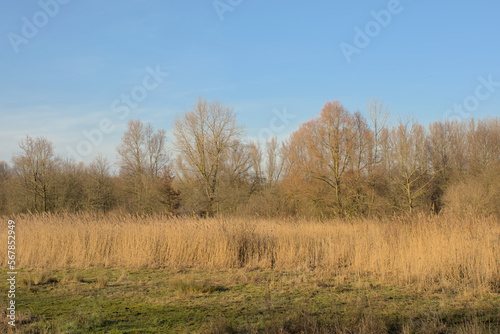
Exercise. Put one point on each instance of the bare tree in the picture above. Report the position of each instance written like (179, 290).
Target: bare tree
(132, 149)
(439, 147)
(483, 139)
(156, 151)
(239, 161)
(275, 162)
(203, 137)
(142, 158)
(142, 150)
(363, 153)
(379, 117)
(458, 146)
(408, 144)
(36, 165)
(440, 152)
(255, 155)
(70, 186)
(100, 188)
(363, 145)
(324, 148)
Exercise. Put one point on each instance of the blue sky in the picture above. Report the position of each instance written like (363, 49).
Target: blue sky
(266, 58)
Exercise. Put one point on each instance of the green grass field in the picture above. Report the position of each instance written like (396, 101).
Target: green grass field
(240, 301)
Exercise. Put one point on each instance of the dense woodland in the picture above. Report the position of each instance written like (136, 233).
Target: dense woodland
(338, 164)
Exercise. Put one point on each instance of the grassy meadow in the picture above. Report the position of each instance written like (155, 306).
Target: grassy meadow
(155, 274)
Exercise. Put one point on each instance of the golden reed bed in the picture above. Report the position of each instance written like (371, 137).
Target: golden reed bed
(419, 250)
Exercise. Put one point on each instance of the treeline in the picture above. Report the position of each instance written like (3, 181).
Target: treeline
(338, 164)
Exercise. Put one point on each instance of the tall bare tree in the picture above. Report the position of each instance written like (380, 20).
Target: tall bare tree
(324, 148)
(408, 140)
(483, 139)
(363, 145)
(363, 153)
(203, 137)
(142, 158)
(142, 150)
(275, 161)
(379, 117)
(255, 155)
(36, 165)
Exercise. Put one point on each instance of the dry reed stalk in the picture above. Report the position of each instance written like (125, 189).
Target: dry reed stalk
(421, 250)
